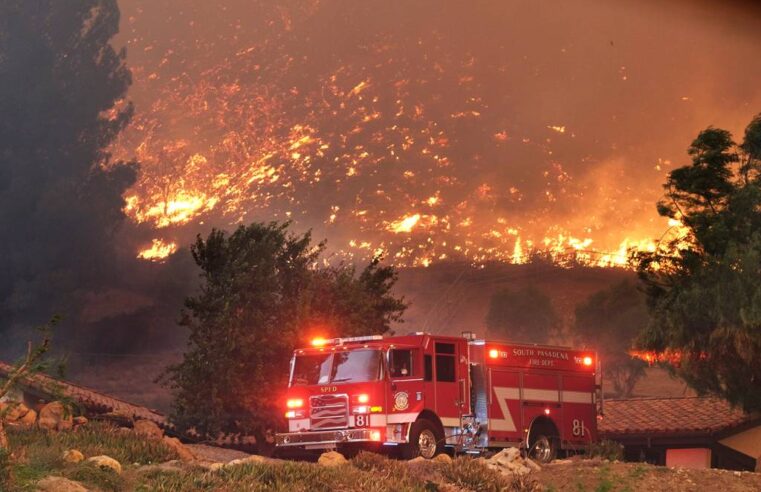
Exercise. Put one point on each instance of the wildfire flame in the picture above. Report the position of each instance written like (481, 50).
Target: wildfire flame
(158, 251)
(365, 152)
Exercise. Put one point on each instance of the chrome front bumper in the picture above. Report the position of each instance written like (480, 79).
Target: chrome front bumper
(322, 437)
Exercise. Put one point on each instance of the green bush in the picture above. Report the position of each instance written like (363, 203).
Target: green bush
(606, 449)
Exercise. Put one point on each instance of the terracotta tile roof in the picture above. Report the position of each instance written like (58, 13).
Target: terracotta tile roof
(670, 416)
(93, 401)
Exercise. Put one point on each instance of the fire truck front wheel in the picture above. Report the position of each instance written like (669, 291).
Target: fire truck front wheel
(426, 440)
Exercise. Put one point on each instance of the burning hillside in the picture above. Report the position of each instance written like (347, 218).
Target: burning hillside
(429, 131)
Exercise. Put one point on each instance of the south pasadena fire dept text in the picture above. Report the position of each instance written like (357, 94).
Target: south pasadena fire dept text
(421, 392)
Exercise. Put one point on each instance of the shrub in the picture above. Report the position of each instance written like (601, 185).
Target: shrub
(606, 449)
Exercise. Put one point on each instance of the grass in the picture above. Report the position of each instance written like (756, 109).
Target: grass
(38, 454)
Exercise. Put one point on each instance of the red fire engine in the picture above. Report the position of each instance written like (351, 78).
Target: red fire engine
(422, 392)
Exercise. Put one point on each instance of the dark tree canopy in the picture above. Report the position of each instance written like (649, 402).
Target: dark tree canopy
(704, 286)
(609, 321)
(261, 296)
(61, 104)
(523, 315)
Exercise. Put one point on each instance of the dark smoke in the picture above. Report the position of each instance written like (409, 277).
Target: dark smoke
(61, 105)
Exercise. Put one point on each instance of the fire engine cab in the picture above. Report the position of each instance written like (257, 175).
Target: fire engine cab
(421, 392)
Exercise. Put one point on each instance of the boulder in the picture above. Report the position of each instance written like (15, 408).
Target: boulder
(59, 484)
(73, 456)
(254, 458)
(331, 459)
(14, 411)
(148, 429)
(54, 416)
(442, 458)
(106, 463)
(29, 419)
(182, 451)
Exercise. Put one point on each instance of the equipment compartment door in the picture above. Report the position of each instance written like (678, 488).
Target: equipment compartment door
(579, 411)
(504, 405)
(450, 399)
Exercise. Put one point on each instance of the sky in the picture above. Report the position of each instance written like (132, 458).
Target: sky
(427, 130)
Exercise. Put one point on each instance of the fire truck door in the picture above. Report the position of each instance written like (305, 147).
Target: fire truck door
(450, 382)
(406, 371)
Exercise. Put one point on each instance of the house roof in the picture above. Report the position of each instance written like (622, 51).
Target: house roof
(671, 416)
(94, 402)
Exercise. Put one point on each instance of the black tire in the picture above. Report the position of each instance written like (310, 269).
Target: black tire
(542, 448)
(426, 440)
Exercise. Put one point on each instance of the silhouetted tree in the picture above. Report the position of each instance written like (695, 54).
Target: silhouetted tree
(62, 89)
(523, 315)
(609, 321)
(704, 287)
(261, 297)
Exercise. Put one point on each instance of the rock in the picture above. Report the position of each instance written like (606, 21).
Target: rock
(509, 461)
(54, 416)
(106, 463)
(331, 459)
(531, 464)
(73, 456)
(29, 419)
(182, 451)
(254, 458)
(16, 411)
(442, 458)
(59, 484)
(149, 429)
(80, 420)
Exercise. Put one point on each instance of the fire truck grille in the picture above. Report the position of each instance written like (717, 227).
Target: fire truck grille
(329, 412)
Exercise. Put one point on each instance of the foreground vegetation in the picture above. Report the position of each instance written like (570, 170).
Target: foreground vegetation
(150, 466)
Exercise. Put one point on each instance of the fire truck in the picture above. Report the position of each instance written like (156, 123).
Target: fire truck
(421, 393)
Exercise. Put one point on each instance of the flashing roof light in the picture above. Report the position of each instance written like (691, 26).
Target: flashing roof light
(295, 403)
(319, 342)
(587, 361)
(493, 353)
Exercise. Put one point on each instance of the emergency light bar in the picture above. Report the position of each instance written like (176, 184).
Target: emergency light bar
(320, 342)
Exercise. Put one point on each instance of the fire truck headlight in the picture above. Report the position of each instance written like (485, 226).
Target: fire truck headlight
(493, 353)
(294, 414)
(363, 398)
(295, 403)
(587, 361)
(375, 436)
(361, 409)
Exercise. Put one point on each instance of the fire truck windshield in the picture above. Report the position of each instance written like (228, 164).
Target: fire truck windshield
(342, 367)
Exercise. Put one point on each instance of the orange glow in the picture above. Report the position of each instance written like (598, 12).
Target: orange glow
(295, 403)
(319, 342)
(587, 361)
(158, 251)
(375, 436)
(363, 398)
(493, 353)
